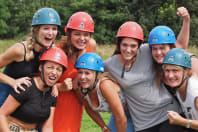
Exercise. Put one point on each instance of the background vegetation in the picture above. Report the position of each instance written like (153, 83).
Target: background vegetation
(108, 15)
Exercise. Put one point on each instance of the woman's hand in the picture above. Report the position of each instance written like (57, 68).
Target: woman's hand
(19, 82)
(68, 84)
(183, 12)
(174, 118)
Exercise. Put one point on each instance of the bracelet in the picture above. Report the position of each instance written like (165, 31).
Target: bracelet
(104, 128)
(189, 124)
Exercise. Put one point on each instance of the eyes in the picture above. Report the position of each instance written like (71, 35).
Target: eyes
(84, 72)
(59, 69)
(175, 71)
(125, 45)
(46, 28)
(160, 48)
(78, 33)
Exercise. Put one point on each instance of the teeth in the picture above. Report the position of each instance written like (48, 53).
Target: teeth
(48, 38)
(52, 78)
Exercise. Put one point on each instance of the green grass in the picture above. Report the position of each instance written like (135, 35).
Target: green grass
(88, 125)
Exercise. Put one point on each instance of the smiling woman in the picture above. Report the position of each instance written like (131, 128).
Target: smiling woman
(179, 79)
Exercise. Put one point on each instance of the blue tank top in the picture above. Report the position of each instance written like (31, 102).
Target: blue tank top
(23, 68)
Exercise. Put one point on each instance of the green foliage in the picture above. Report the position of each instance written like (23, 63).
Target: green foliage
(108, 15)
(4, 16)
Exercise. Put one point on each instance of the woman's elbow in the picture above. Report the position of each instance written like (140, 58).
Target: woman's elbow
(121, 119)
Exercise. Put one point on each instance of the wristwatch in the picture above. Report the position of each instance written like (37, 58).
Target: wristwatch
(189, 124)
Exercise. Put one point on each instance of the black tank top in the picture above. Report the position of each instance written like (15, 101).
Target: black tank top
(23, 68)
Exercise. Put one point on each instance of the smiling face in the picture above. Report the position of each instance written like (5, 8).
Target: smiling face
(80, 39)
(52, 72)
(128, 48)
(173, 75)
(159, 51)
(86, 78)
(47, 34)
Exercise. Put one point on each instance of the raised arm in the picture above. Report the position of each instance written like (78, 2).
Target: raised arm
(183, 37)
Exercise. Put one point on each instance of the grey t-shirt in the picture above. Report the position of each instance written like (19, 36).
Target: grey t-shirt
(148, 104)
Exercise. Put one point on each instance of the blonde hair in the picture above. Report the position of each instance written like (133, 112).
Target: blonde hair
(30, 43)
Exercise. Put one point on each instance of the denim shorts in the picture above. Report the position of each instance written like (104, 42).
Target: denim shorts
(4, 92)
(112, 123)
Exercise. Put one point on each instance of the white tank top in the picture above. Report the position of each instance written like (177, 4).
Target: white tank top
(188, 105)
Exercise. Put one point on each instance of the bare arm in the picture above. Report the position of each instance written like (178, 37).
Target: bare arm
(93, 45)
(7, 108)
(183, 37)
(14, 53)
(175, 118)
(48, 125)
(95, 116)
(111, 95)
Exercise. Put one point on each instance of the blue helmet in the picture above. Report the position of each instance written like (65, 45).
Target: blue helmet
(177, 56)
(90, 61)
(46, 16)
(161, 35)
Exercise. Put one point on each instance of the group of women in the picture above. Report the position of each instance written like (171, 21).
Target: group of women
(137, 85)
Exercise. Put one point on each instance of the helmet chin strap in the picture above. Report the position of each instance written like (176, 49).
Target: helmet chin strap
(123, 68)
(85, 91)
(43, 78)
(40, 44)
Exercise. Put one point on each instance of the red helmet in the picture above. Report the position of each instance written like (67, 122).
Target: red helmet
(80, 21)
(56, 55)
(131, 30)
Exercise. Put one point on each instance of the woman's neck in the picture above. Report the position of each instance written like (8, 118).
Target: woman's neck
(126, 63)
(40, 84)
(94, 97)
(75, 56)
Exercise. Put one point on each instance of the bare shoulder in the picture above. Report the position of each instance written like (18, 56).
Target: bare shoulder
(92, 43)
(108, 83)
(15, 52)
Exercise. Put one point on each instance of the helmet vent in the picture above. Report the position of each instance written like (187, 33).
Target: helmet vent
(82, 63)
